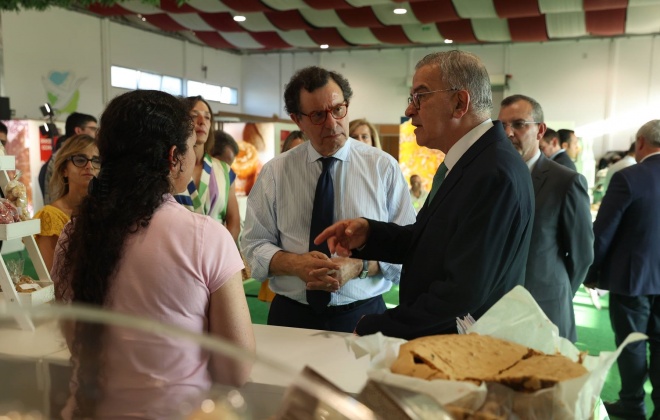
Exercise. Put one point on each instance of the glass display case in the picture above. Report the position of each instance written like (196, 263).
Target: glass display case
(132, 367)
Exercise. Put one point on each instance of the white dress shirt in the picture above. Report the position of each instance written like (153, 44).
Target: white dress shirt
(367, 183)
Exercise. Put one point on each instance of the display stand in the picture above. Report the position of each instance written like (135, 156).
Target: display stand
(25, 230)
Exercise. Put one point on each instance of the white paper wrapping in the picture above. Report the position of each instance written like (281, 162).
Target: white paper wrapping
(518, 318)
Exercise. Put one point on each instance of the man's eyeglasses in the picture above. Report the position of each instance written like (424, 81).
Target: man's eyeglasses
(318, 117)
(414, 97)
(518, 124)
(91, 127)
(81, 161)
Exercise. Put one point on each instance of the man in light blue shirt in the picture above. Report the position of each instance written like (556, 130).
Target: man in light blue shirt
(276, 239)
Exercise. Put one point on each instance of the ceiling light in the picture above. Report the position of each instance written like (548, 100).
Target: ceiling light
(449, 41)
(400, 11)
(239, 18)
(324, 46)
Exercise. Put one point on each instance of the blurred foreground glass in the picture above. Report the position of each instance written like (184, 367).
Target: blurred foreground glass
(148, 374)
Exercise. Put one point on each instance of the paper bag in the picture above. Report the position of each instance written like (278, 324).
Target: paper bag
(518, 318)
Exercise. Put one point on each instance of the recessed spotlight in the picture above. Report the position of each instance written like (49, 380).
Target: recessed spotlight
(449, 41)
(400, 11)
(324, 46)
(239, 18)
(144, 19)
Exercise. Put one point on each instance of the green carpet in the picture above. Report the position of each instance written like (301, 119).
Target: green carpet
(593, 325)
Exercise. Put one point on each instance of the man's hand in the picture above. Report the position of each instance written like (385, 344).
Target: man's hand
(344, 236)
(318, 272)
(314, 268)
(349, 268)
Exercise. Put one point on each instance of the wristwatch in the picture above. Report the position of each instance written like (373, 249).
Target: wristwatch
(365, 269)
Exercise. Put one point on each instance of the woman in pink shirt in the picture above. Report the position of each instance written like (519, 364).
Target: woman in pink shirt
(132, 249)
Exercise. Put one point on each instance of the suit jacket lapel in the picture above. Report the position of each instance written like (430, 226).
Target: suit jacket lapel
(539, 173)
(451, 179)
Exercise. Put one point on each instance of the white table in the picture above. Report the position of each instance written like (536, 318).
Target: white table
(292, 348)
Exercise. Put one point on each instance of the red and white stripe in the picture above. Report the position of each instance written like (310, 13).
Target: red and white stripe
(294, 24)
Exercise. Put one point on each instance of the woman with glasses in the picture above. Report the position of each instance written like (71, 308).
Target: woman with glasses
(77, 162)
(364, 131)
(209, 191)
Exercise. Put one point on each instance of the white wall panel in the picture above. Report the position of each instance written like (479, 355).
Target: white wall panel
(38, 43)
(583, 83)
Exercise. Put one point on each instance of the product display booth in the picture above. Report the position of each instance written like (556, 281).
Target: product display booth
(134, 367)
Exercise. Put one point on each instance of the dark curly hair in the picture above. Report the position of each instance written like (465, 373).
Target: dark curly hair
(310, 79)
(138, 129)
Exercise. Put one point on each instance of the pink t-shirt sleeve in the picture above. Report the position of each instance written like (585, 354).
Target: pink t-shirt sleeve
(219, 256)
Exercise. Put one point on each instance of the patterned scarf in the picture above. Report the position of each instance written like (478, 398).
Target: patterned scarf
(196, 199)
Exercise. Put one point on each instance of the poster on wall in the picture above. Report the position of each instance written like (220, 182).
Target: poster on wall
(415, 159)
(256, 146)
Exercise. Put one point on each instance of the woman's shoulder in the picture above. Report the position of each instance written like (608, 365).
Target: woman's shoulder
(219, 164)
(51, 211)
(178, 217)
(52, 219)
(191, 229)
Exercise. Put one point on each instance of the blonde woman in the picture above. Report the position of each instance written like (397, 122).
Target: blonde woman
(364, 131)
(77, 162)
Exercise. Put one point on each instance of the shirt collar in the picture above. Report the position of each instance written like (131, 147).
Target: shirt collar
(552, 157)
(465, 142)
(341, 154)
(532, 162)
(648, 156)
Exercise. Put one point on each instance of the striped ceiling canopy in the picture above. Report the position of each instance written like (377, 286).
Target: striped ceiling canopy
(293, 25)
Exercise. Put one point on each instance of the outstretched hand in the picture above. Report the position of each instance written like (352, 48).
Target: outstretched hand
(344, 236)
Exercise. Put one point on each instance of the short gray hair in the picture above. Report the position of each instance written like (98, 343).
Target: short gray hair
(651, 132)
(537, 110)
(463, 70)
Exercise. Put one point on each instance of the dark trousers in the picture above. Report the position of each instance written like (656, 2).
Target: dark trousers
(286, 312)
(637, 314)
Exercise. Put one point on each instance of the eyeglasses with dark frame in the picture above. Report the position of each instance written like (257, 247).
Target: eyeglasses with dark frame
(518, 124)
(318, 117)
(80, 161)
(414, 97)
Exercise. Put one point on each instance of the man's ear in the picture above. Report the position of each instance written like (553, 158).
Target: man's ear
(296, 119)
(542, 128)
(78, 130)
(462, 103)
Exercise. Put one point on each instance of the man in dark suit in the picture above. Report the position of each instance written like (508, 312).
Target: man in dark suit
(550, 147)
(469, 244)
(569, 142)
(562, 239)
(626, 263)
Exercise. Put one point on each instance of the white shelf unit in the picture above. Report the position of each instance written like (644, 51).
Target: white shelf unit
(25, 230)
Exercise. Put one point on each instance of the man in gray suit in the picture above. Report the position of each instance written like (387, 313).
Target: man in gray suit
(561, 250)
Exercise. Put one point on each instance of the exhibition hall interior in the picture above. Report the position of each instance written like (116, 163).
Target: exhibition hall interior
(355, 209)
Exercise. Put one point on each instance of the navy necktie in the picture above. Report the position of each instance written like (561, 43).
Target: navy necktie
(322, 217)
